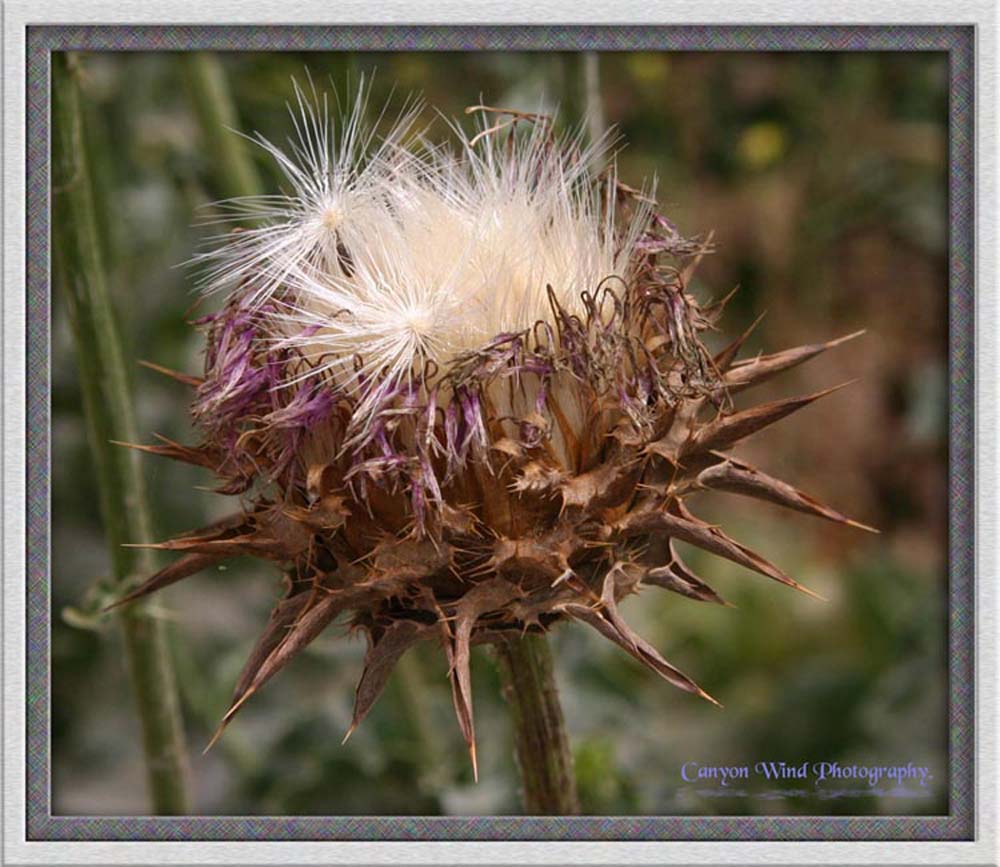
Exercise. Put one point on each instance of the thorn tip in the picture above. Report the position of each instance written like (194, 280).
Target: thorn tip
(475, 764)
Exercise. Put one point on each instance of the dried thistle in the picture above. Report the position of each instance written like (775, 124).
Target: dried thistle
(460, 392)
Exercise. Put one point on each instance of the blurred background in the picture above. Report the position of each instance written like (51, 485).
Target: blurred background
(824, 179)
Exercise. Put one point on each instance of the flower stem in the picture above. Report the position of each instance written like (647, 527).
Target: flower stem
(213, 104)
(596, 125)
(543, 754)
(435, 771)
(79, 273)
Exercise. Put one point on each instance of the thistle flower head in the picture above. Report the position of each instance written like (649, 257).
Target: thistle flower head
(464, 391)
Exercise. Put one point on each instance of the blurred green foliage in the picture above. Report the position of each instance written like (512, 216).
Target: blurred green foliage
(824, 179)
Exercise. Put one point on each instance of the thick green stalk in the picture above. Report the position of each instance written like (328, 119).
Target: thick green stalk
(213, 103)
(79, 273)
(434, 766)
(540, 740)
(593, 104)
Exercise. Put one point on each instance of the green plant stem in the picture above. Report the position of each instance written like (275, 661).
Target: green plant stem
(434, 767)
(590, 62)
(213, 104)
(540, 740)
(79, 273)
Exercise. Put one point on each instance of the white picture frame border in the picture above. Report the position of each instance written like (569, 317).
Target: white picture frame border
(18, 15)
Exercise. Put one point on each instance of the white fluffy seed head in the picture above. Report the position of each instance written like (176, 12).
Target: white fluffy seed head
(388, 254)
(335, 170)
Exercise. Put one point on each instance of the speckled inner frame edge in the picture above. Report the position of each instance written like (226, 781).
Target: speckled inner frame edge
(957, 41)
